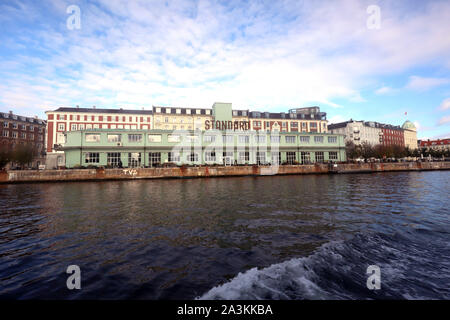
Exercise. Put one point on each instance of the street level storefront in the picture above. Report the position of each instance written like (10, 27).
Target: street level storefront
(151, 148)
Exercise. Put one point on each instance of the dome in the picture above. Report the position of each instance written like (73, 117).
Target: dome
(408, 125)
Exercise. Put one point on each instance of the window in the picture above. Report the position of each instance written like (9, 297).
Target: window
(318, 139)
(227, 139)
(60, 117)
(260, 139)
(210, 156)
(173, 138)
(81, 126)
(92, 157)
(319, 156)
(276, 157)
(260, 157)
(14, 125)
(134, 159)
(332, 139)
(31, 136)
(23, 127)
(244, 157)
(74, 127)
(31, 128)
(192, 157)
(154, 158)
(113, 159)
(290, 157)
(114, 137)
(23, 135)
(92, 137)
(154, 138)
(14, 134)
(290, 139)
(166, 119)
(274, 139)
(134, 137)
(244, 139)
(209, 138)
(5, 133)
(174, 157)
(61, 126)
(305, 157)
(294, 124)
(333, 155)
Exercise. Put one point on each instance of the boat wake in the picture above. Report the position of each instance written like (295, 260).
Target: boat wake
(410, 269)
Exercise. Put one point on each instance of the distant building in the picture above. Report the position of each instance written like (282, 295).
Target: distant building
(63, 120)
(370, 132)
(392, 135)
(225, 139)
(410, 135)
(439, 144)
(359, 131)
(20, 130)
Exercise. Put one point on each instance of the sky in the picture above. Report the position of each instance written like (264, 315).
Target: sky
(387, 64)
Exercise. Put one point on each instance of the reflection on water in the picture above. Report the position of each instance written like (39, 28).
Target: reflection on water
(179, 238)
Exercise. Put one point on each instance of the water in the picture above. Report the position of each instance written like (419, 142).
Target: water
(286, 237)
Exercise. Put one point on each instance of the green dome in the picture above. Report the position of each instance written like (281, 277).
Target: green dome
(408, 125)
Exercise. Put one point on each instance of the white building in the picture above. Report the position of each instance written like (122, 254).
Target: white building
(358, 131)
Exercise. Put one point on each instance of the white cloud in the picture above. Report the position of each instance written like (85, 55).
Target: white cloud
(336, 119)
(445, 105)
(384, 90)
(444, 120)
(422, 84)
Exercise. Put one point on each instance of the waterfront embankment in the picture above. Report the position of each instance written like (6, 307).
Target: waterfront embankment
(21, 176)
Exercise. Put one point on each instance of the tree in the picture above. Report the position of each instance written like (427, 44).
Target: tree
(23, 154)
(352, 150)
(367, 150)
(5, 158)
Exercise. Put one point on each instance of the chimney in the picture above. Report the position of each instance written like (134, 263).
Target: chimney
(78, 107)
(10, 112)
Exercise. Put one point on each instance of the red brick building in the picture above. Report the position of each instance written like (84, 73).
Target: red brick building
(19, 130)
(392, 135)
(440, 144)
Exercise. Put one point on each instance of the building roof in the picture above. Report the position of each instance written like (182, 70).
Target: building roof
(100, 110)
(438, 142)
(371, 124)
(15, 117)
(408, 125)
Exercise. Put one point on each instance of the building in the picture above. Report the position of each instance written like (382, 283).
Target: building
(222, 140)
(392, 135)
(64, 120)
(370, 132)
(410, 135)
(438, 145)
(20, 130)
(359, 132)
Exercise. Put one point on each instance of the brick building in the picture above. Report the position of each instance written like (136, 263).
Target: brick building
(19, 130)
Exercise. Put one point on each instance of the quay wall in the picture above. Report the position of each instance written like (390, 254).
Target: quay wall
(22, 176)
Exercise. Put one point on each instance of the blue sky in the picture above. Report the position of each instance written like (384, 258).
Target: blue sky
(258, 55)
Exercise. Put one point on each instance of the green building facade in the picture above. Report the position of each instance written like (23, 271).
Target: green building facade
(228, 142)
(148, 148)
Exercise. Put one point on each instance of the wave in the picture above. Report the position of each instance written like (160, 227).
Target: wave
(410, 269)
